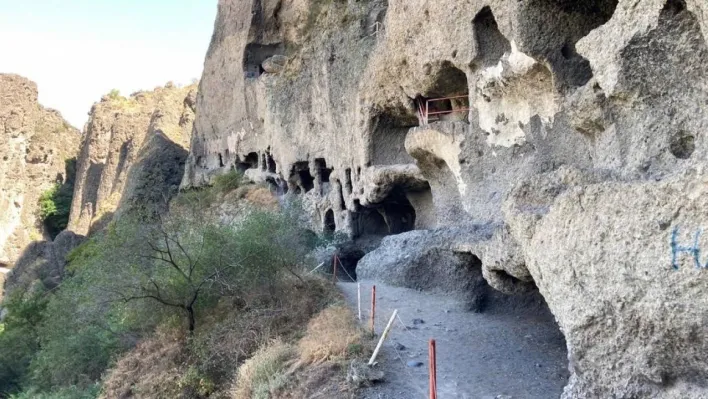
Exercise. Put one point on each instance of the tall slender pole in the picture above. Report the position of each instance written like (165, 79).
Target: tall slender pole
(373, 309)
(432, 369)
(358, 299)
(383, 337)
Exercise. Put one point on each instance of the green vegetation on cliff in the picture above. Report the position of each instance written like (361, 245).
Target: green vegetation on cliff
(200, 295)
(55, 203)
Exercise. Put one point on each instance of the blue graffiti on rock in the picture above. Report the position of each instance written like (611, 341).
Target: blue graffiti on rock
(694, 250)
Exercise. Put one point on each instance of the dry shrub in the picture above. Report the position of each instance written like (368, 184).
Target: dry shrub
(264, 373)
(262, 197)
(330, 335)
(153, 369)
(235, 330)
(327, 380)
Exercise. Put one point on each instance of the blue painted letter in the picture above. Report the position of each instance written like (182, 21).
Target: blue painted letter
(676, 249)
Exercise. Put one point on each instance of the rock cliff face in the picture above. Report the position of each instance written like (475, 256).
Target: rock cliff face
(132, 157)
(133, 153)
(559, 144)
(36, 144)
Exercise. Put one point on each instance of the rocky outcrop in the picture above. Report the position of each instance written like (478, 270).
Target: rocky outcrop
(133, 154)
(37, 146)
(571, 129)
(42, 263)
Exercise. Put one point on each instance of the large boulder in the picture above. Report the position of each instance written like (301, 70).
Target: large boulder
(621, 267)
(431, 261)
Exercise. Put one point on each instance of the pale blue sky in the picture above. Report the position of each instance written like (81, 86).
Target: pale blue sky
(78, 50)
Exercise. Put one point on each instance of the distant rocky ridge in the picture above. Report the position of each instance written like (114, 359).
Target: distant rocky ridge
(131, 155)
(35, 144)
(133, 151)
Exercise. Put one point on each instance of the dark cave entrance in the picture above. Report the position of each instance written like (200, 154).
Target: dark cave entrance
(249, 162)
(394, 215)
(389, 130)
(322, 174)
(301, 178)
(570, 21)
(448, 98)
(271, 166)
(491, 44)
(329, 224)
(255, 54)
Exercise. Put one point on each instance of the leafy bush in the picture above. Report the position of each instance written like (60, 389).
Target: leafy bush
(19, 338)
(114, 94)
(55, 203)
(228, 181)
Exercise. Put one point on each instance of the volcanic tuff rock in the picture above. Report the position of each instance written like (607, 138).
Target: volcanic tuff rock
(132, 154)
(575, 132)
(35, 144)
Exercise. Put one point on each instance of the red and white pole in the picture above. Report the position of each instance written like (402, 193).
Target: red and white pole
(373, 309)
(432, 370)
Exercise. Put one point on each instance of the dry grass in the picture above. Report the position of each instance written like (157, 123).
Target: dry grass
(236, 329)
(262, 197)
(264, 373)
(331, 335)
(153, 369)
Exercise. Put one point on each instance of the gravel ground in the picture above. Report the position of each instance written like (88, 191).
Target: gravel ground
(508, 352)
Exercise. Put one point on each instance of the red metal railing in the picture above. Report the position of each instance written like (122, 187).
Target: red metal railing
(426, 115)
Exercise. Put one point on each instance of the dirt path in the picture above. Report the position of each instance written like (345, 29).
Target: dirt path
(514, 354)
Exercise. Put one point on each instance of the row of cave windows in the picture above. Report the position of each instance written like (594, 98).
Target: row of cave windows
(394, 215)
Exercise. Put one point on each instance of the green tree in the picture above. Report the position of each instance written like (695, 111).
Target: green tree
(19, 338)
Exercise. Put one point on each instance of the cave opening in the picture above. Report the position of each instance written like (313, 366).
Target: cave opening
(221, 160)
(255, 54)
(348, 181)
(569, 21)
(389, 128)
(322, 170)
(329, 224)
(394, 215)
(301, 178)
(272, 166)
(342, 204)
(322, 174)
(491, 43)
(369, 222)
(447, 99)
(249, 162)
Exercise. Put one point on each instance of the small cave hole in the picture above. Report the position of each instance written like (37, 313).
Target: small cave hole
(389, 129)
(674, 7)
(272, 166)
(301, 177)
(348, 180)
(249, 162)
(491, 43)
(255, 54)
(342, 203)
(329, 223)
(322, 169)
(221, 160)
(447, 99)
(682, 145)
(567, 51)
